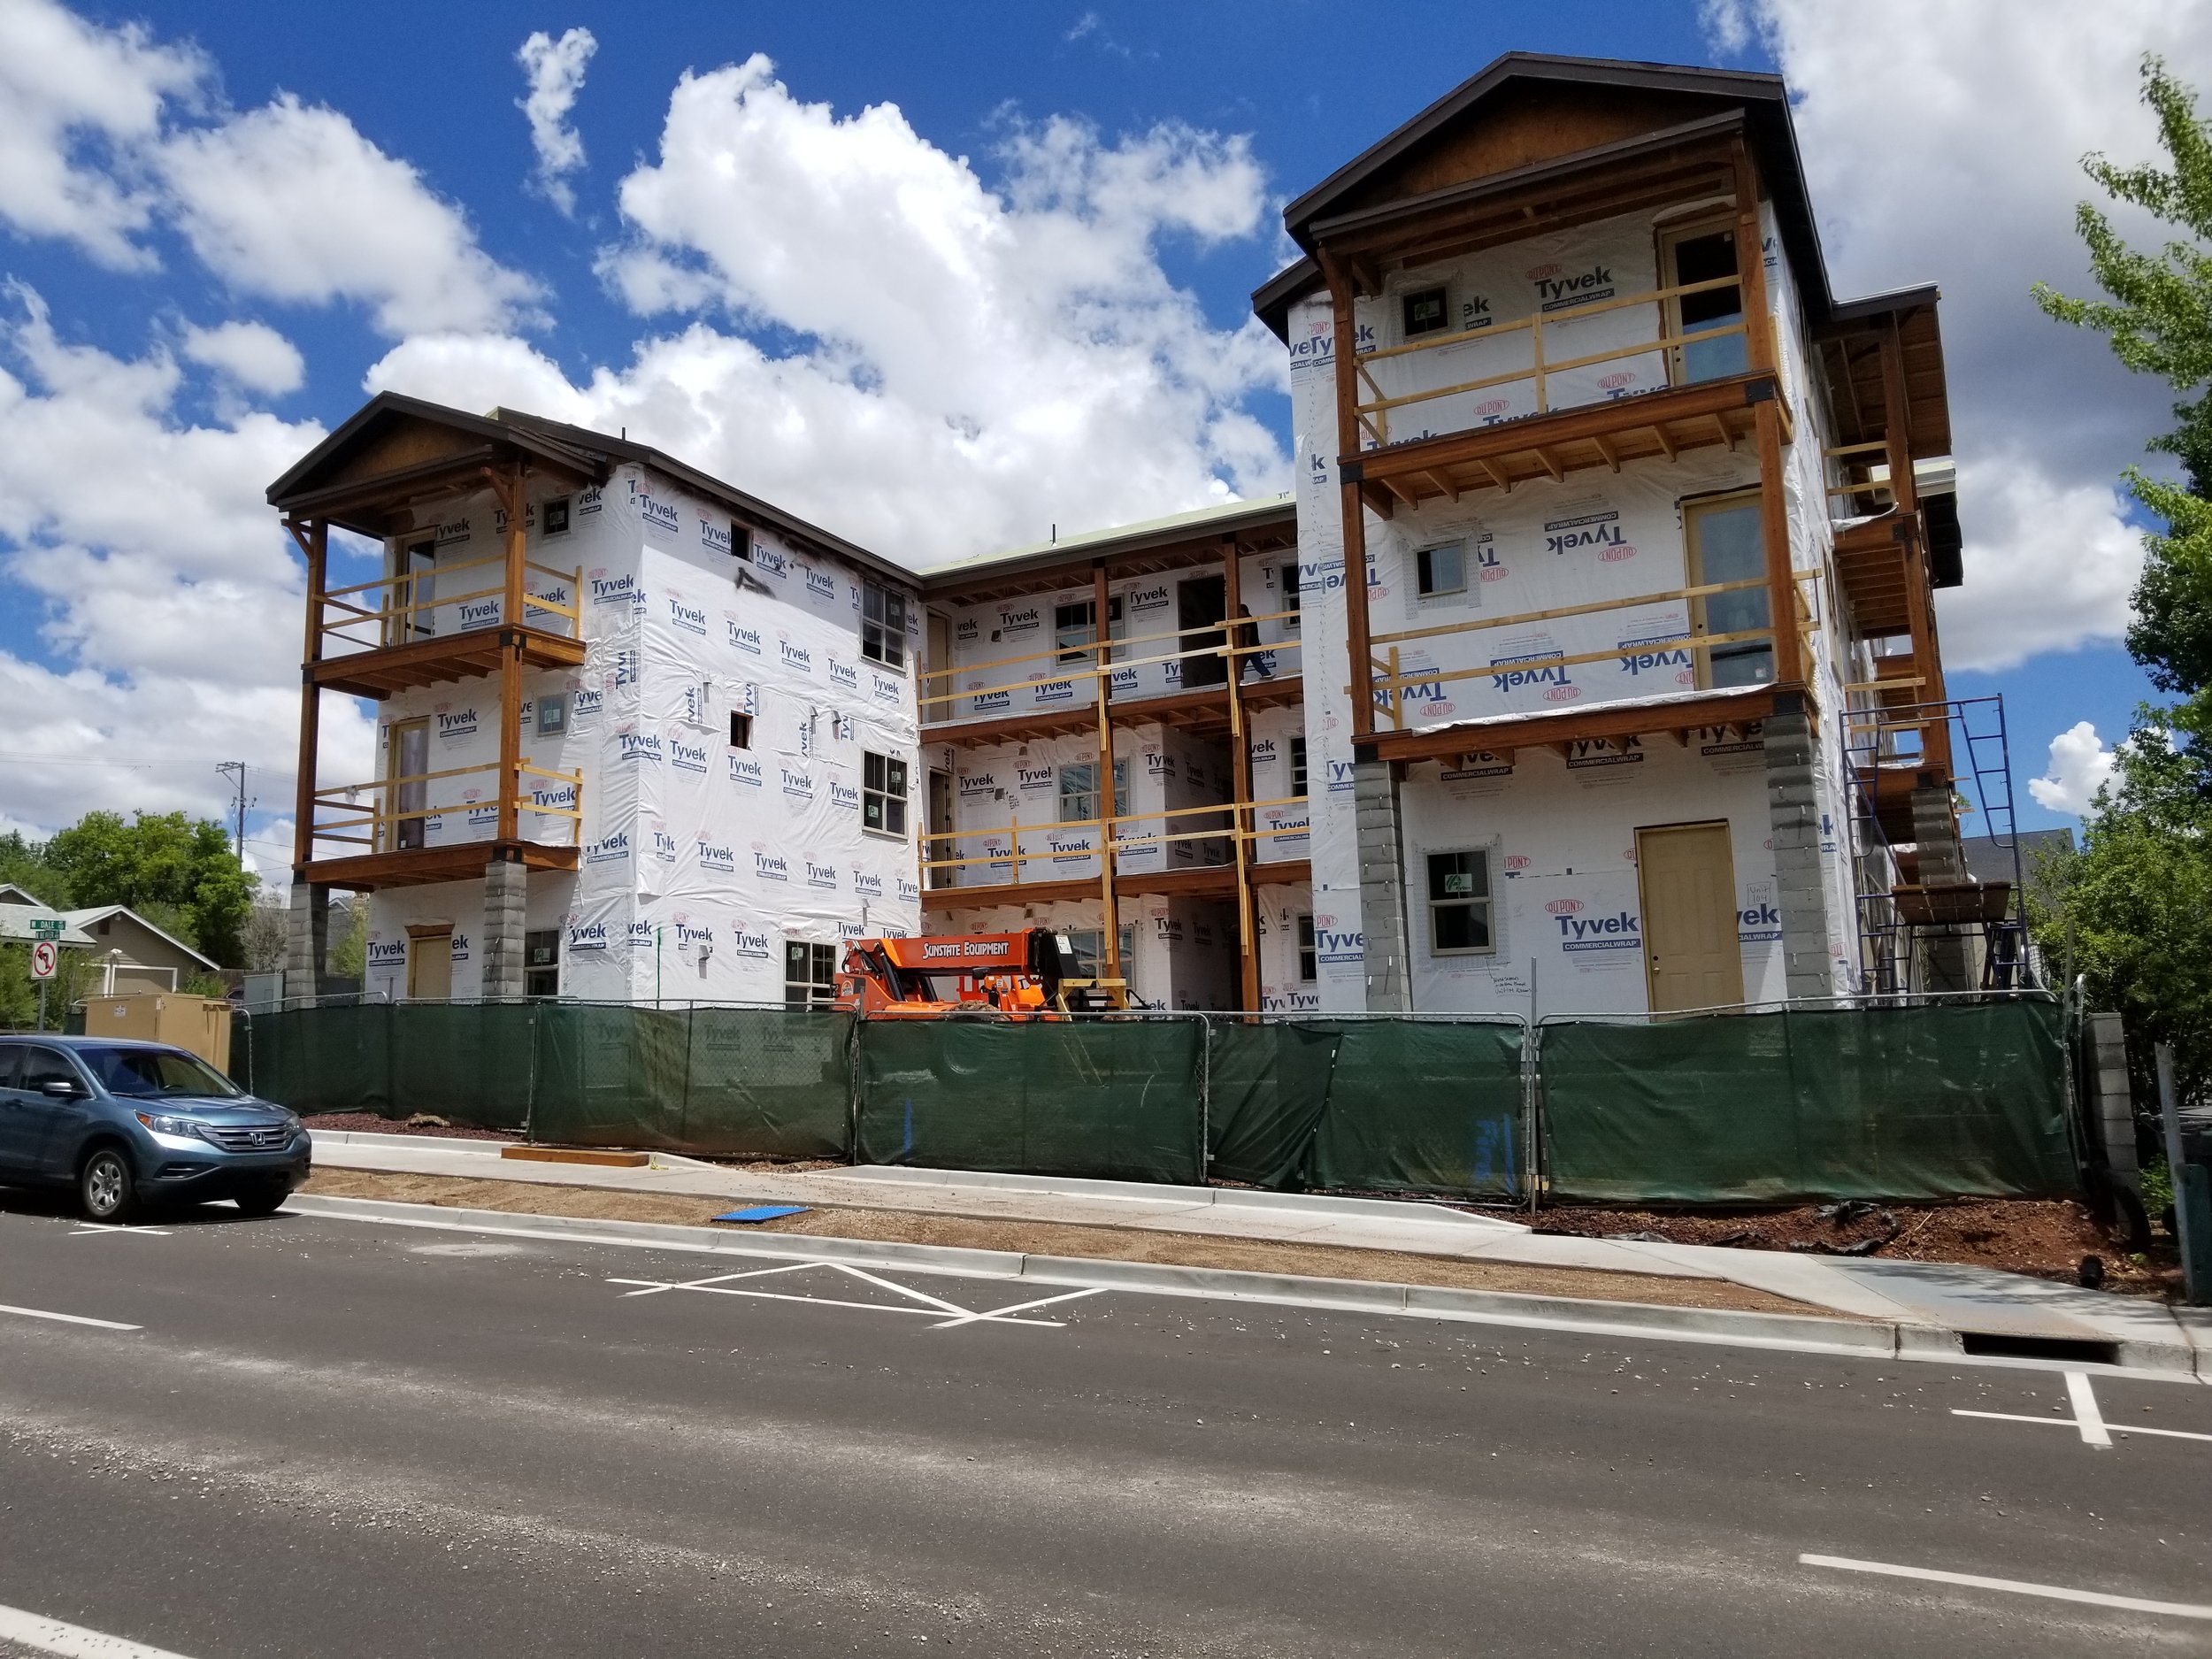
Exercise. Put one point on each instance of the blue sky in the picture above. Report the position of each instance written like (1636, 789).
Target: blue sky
(1172, 133)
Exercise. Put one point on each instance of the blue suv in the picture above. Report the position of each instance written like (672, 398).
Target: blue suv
(128, 1124)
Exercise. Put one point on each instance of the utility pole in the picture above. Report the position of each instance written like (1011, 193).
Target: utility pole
(236, 769)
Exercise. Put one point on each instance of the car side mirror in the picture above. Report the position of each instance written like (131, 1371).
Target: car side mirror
(61, 1087)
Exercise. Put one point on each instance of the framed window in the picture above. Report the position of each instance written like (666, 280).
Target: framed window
(882, 625)
(1308, 956)
(1425, 312)
(553, 516)
(1075, 629)
(1298, 766)
(1290, 599)
(882, 794)
(541, 962)
(741, 730)
(1079, 791)
(742, 541)
(1459, 904)
(552, 709)
(1441, 569)
(1726, 537)
(809, 975)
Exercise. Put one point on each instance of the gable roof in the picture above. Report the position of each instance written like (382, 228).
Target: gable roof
(87, 919)
(330, 479)
(1702, 100)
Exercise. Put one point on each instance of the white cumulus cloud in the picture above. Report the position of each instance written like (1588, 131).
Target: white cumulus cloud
(77, 102)
(253, 354)
(975, 361)
(555, 72)
(2080, 765)
(1943, 144)
(168, 597)
(290, 202)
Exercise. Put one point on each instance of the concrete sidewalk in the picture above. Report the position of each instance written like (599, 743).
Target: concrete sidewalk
(1968, 1301)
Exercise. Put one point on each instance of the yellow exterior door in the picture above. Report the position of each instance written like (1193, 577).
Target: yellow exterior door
(1687, 877)
(430, 965)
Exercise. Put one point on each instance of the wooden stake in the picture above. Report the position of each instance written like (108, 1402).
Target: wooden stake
(510, 491)
(1354, 505)
(1102, 671)
(1240, 788)
(317, 546)
(1774, 523)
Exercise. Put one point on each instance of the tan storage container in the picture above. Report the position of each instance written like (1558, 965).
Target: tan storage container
(201, 1023)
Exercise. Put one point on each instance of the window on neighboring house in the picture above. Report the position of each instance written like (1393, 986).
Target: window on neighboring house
(1079, 791)
(1298, 766)
(1441, 569)
(1425, 312)
(882, 625)
(809, 974)
(1727, 543)
(1459, 904)
(1307, 955)
(1290, 599)
(1075, 628)
(741, 730)
(541, 962)
(883, 794)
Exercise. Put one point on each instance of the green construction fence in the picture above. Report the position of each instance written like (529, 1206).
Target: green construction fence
(1957, 1099)
(1949, 1101)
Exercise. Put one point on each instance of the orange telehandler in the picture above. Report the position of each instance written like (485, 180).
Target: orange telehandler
(1033, 974)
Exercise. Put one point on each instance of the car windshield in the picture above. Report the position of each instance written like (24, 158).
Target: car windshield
(141, 1073)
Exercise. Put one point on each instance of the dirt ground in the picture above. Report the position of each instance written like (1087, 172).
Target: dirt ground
(1038, 1238)
(421, 1123)
(2047, 1238)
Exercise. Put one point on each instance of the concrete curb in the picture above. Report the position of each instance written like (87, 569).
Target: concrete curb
(1726, 1327)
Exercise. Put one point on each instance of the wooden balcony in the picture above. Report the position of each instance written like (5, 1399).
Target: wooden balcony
(1646, 426)
(388, 821)
(1740, 708)
(1200, 713)
(396, 632)
(1205, 882)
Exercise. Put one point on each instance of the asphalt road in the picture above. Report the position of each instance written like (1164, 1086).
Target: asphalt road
(331, 1437)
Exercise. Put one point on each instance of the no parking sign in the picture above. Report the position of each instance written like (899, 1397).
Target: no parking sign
(45, 958)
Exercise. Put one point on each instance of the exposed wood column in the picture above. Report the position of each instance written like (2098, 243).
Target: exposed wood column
(1751, 264)
(1775, 526)
(315, 543)
(1240, 788)
(1102, 656)
(1345, 354)
(1935, 738)
(508, 485)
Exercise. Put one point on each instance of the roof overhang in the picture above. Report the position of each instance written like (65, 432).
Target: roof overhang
(1136, 549)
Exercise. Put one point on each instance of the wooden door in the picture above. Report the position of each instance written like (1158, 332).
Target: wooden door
(406, 756)
(1687, 879)
(430, 964)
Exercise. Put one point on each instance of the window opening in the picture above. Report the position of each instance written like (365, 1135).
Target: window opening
(809, 975)
(1079, 791)
(1459, 903)
(1441, 569)
(883, 794)
(1308, 956)
(541, 962)
(553, 517)
(882, 625)
(1298, 767)
(1075, 629)
(1727, 542)
(1425, 312)
(1290, 600)
(1703, 254)
(741, 730)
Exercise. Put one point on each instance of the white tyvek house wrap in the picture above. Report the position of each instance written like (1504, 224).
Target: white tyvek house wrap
(1546, 546)
(700, 860)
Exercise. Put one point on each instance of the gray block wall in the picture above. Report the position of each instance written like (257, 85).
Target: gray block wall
(505, 891)
(1800, 887)
(307, 950)
(1382, 902)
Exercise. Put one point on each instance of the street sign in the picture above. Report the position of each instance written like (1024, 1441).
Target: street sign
(45, 958)
(47, 926)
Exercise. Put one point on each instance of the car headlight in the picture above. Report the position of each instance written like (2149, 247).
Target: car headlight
(165, 1124)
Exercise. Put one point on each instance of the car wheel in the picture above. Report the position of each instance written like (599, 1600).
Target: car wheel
(263, 1201)
(106, 1190)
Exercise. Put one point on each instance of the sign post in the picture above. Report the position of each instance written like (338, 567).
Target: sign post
(45, 959)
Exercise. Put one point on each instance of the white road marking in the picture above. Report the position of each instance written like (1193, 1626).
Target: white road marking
(946, 1313)
(1020, 1307)
(2084, 1399)
(70, 1641)
(2087, 1418)
(1976, 1581)
(93, 1229)
(69, 1319)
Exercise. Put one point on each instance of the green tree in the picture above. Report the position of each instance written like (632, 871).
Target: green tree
(2135, 903)
(181, 874)
(23, 863)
